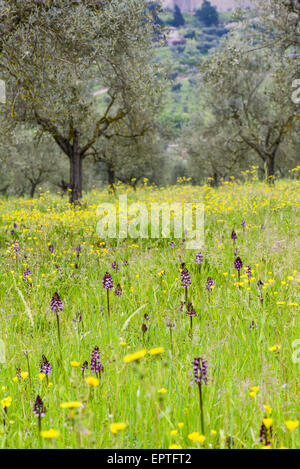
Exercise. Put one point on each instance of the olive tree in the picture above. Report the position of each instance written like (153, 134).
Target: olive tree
(32, 160)
(78, 69)
(248, 81)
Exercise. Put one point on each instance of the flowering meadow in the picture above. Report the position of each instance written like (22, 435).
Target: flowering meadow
(140, 343)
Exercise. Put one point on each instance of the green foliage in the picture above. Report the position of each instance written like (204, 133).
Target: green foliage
(72, 48)
(207, 14)
(178, 19)
(249, 113)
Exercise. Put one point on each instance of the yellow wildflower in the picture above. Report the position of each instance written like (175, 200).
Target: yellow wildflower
(71, 405)
(134, 356)
(116, 427)
(267, 422)
(162, 391)
(275, 348)
(6, 402)
(75, 364)
(156, 351)
(92, 381)
(254, 391)
(195, 436)
(292, 424)
(268, 409)
(49, 433)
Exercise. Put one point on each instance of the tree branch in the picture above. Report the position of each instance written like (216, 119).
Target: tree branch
(48, 126)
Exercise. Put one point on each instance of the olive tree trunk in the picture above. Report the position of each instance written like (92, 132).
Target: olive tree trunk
(75, 170)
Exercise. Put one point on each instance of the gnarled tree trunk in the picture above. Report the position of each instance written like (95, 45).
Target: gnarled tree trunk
(75, 170)
(111, 178)
(32, 189)
(270, 161)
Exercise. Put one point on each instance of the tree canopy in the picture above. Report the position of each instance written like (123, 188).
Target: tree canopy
(56, 56)
(208, 14)
(247, 87)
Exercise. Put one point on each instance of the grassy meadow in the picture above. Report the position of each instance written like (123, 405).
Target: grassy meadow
(143, 396)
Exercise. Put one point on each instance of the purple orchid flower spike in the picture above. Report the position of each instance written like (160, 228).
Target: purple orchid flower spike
(186, 281)
(210, 283)
(39, 410)
(200, 377)
(108, 285)
(238, 264)
(57, 307)
(233, 236)
(199, 258)
(95, 365)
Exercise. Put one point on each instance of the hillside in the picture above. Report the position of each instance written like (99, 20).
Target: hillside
(184, 50)
(188, 6)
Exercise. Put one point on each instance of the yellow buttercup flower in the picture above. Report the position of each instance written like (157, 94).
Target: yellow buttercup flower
(267, 422)
(254, 391)
(23, 375)
(92, 381)
(6, 402)
(175, 446)
(156, 351)
(75, 364)
(134, 356)
(71, 405)
(275, 348)
(49, 433)
(173, 432)
(180, 424)
(195, 436)
(268, 409)
(116, 427)
(42, 376)
(162, 391)
(292, 424)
